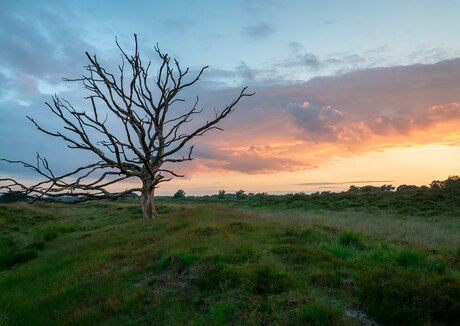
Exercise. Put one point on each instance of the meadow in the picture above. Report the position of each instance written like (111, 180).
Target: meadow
(331, 259)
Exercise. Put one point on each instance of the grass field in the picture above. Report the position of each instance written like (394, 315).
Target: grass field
(228, 263)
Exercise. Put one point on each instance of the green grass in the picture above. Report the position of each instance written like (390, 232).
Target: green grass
(217, 264)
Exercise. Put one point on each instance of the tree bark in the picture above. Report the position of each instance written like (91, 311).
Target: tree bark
(147, 202)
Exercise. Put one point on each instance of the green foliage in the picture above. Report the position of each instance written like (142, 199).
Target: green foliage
(221, 194)
(239, 227)
(12, 258)
(219, 277)
(238, 255)
(223, 312)
(214, 265)
(179, 258)
(452, 183)
(319, 314)
(207, 231)
(180, 194)
(421, 202)
(240, 194)
(409, 298)
(13, 196)
(407, 188)
(368, 189)
(267, 280)
(410, 259)
(351, 239)
(48, 233)
(6, 319)
(326, 279)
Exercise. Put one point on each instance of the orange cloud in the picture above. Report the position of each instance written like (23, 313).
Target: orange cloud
(303, 126)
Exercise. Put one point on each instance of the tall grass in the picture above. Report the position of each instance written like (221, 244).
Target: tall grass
(201, 264)
(441, 232)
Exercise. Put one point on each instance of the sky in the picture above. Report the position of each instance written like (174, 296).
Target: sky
(347, 92)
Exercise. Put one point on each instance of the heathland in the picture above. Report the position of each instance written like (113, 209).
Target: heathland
(324, 259)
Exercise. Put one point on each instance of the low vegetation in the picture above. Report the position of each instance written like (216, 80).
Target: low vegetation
(239, 262)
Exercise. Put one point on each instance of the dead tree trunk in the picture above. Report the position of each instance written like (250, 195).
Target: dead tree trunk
(147, 200)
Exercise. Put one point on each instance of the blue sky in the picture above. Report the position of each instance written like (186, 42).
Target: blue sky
(394, 58)
(301, 39)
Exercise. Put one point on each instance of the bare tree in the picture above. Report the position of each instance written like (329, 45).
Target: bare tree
(150, 138)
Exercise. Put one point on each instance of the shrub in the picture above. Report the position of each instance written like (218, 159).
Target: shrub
(223, 312)
(238, 227)
(240, 194)
(238, 255)
(179, 260)
(12, 196)
(206, 231)
(326, 279)
(266, 280)
(319, 314)
(221, 194)
(6, 317)
(351, 239)
(410, 259)
(9, 259)
(37, 244)
(409, 297)
(219, 277)
(179, 194)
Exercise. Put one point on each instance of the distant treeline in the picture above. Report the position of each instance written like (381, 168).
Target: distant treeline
(441, 198)
(452, 183)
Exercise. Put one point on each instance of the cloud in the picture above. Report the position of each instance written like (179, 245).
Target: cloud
(259, 31)
(6, 84)
(301, 58)
(342, 182)
(444, 112)
(251, 160)
(343, 115)
(254, 163)
(247, 74)
(38, 50)
(28, 84)
(317, 122)
(393, 90)
(304, 125)
(311, 61)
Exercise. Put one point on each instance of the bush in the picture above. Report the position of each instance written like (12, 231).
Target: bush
(409, 297)
(266, 280)
(10, 259)
(179, 260)
(240, 194)
(221, 194)
(410, 259)
(179, 194)
(319, 314)
(239, 227)
(12, 196)
(351, 239)
(218, 278)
